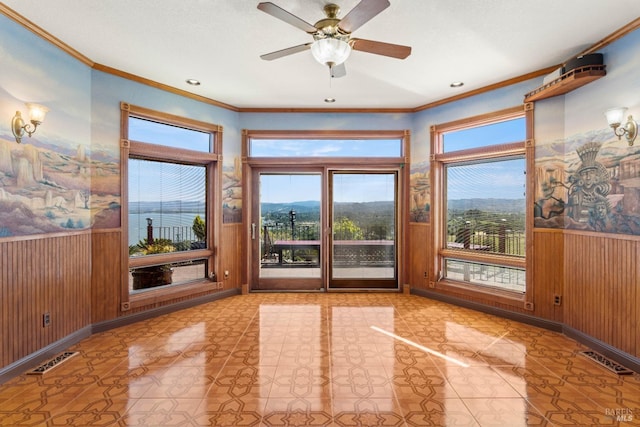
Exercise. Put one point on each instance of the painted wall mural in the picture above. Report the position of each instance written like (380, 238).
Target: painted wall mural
(420, 192)
(46, 189)
(419, 179)
(232, 192)
(595, 186)
(46, 181)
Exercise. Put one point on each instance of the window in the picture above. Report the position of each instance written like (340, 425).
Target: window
(170, 164)
(480, 192)
(356, 147)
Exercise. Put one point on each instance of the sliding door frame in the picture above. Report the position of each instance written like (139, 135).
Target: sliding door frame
(285, 282)
(362, 283)
(293, 164)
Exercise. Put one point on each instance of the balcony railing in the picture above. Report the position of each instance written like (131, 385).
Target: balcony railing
(497, 239)
(298, 246)
(182, 238)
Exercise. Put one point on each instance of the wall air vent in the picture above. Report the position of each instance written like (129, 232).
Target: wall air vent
(614, 367)
(50, 364)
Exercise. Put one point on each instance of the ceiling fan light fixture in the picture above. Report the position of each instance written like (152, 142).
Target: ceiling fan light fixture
(330, 51)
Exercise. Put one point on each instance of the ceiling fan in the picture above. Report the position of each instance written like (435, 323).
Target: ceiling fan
(332, 36)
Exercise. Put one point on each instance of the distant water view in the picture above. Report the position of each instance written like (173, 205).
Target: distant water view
(165, 225)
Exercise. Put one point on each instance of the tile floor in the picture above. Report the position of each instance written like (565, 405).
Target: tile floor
(324, 360)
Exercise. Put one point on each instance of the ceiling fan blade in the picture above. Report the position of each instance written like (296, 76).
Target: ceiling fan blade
(381, 48)
(361, 14)
(288, 17)
(338, 71)
(284, 52)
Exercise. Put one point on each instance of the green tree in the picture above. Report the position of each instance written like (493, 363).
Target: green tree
(199, 228)
(346, 229)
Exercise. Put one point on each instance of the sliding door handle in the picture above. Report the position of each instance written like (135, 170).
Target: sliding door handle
(253, 231)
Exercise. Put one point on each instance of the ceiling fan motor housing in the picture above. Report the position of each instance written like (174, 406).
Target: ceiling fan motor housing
(328, 27)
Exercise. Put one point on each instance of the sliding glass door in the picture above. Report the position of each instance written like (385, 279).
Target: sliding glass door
(288, 245)
(286, 231)
(363, 216)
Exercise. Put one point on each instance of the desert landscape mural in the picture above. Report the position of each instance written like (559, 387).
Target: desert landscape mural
(46, 189)
(420, 192)
(232, 192)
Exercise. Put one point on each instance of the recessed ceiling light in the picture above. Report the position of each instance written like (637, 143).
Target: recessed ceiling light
(193, 82)
(329, 100)
(456, 84)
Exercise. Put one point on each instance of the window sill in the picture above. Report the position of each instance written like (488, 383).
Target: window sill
(508, 298)
(168, 293)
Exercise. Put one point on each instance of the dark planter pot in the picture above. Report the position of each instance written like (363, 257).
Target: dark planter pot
(150, 277)
(198, 245)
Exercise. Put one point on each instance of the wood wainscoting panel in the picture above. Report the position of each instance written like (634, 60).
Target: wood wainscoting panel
(601, 288)
(419, 254)
(105, 275)
(548, 273)
(43, 275)
(231, 256)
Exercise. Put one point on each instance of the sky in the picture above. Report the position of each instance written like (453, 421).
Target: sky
(151, 181)
(171, 136)
(492, 134)
(503, 179)
(326, 148)
(497, 180)
(358, 187)
(494, 180)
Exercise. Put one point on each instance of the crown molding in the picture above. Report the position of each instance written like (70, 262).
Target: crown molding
(10, 13)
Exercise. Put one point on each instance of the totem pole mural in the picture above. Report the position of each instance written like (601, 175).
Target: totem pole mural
(595, 188)
(588, 189)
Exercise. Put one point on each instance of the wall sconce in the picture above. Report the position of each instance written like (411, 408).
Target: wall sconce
(615, 116)
(36, 117)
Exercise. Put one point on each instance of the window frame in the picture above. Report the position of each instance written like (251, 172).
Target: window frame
(439, 161)
(326, 165)
(155, 152)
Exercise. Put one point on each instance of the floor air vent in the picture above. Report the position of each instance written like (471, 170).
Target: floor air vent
(50, 364)
(614, 367)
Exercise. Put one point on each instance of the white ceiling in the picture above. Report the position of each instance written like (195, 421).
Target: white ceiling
(218, 42)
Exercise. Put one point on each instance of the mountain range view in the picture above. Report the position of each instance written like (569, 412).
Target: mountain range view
(485, 205)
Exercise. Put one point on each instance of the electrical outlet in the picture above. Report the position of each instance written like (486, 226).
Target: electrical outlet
(46, 319)
(557, 300)
(226, 274)
(426, 275)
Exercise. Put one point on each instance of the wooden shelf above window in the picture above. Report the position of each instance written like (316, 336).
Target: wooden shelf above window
(567, 82)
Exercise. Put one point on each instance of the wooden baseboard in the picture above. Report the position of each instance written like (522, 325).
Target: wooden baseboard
(165, 309)
(512, 315)
(34, 359)
(605, 349)
(625, 359)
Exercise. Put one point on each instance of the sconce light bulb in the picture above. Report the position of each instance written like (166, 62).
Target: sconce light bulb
(37, 113)
(615, 116)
